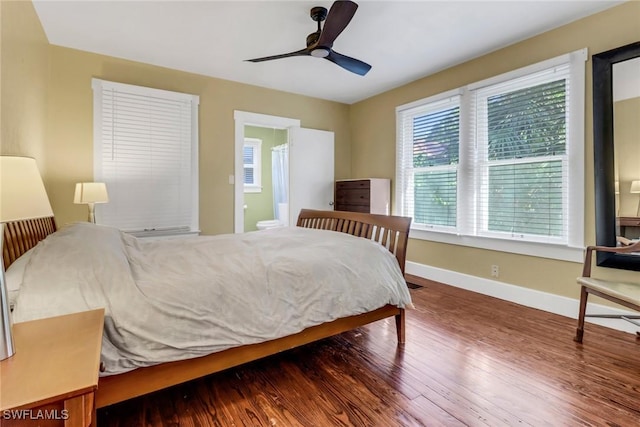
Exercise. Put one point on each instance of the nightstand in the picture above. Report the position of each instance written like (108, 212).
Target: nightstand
(52, 378)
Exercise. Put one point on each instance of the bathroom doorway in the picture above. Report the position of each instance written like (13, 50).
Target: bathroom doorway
(266, 177)
(304, 164)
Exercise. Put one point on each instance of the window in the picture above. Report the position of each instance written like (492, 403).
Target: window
(498, 164)
(252, 161)
(430, 165)
(146, 151)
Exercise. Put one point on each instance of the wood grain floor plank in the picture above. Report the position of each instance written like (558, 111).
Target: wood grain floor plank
(469, 360)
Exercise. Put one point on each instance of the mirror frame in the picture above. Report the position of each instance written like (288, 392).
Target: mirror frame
(603, 148)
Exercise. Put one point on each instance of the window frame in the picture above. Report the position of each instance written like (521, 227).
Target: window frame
(438, 103)
(98, 85)
(256, 146)
(467, 233)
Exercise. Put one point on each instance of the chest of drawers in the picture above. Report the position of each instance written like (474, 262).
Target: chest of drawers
(370, 195)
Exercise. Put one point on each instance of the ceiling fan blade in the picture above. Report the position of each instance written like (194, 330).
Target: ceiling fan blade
(350, 64)
(337, 20)
(302, 52)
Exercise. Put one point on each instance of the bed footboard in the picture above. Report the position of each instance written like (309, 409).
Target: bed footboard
(390, 231)
(116, 388)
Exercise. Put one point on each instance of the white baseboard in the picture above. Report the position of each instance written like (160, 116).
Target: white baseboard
(552, 303)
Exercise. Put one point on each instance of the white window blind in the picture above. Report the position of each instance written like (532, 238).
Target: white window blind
(429, 157)
(145, 150)
(522, 163)
(252, 161)
(500, 159)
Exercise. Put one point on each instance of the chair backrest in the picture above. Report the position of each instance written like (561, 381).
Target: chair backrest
(630, 248)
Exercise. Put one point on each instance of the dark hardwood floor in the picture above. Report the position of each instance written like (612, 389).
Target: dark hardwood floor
(469, 360)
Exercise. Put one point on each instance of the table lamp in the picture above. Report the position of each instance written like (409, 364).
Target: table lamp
(91, 193)
(635, 189)
(22, 197)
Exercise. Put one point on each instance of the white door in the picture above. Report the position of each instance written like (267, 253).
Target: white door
(311, 171)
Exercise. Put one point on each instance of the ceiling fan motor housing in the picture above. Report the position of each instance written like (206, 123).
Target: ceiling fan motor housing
(318, 13)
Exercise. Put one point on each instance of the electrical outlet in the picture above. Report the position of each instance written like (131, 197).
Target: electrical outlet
(495, 271)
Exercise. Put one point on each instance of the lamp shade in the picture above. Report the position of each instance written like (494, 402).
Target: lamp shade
(635, 187)
(90, 192)
(22, 193)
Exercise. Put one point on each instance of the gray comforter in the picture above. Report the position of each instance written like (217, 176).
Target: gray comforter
(176, 299)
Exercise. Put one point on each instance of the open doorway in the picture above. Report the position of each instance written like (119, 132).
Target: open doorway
(310, 159)
(268, 132)
(266, 177)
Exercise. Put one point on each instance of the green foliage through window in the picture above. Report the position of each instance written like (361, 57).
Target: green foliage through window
(526, 198)
(529, 122)
(525, 195)
(436, 137)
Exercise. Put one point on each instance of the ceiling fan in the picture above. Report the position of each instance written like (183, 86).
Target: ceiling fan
(320, 43)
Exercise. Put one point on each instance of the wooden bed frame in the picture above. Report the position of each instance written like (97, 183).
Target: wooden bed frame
(389, 231)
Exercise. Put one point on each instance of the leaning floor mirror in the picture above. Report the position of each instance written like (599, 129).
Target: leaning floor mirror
(616, 126)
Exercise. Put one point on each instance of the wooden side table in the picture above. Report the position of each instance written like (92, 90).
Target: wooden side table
(52, 377)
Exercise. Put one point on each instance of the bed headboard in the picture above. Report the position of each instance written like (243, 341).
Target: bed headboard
(390, 231)
(20, 236)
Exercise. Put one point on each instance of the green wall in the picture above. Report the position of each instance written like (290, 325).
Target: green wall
(260, 205)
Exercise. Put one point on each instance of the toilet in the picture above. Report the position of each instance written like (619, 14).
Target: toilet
(283, 214)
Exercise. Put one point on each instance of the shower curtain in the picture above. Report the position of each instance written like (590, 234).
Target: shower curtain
(280, 176)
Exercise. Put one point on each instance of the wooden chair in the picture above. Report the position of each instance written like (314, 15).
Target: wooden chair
(625, 294)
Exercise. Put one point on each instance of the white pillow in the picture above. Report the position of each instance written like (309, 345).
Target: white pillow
(15, 274)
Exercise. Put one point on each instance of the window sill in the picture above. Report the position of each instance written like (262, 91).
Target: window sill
(541, 250)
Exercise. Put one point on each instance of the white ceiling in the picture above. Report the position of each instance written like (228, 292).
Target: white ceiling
(402, 40)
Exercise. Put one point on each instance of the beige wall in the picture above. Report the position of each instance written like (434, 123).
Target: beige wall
(69, 150)
(373, 143)
(24, 70)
